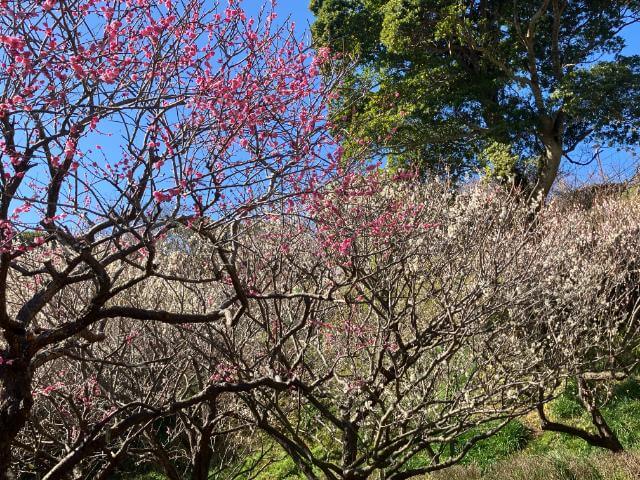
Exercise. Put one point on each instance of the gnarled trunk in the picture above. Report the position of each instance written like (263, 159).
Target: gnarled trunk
(604, 438)
(15, 406)
(608, 438)
(548, 167)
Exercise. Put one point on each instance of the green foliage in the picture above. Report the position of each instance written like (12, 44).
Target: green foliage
(440, 83)
(502, 163)
(272, 462)
(605, 97)
(627, 390)
(29, 236)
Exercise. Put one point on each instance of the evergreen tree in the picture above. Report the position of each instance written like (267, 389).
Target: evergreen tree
(514, 85)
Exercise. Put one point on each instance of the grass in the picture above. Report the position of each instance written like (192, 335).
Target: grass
(512, 455)
(511, 439)
(551, 466)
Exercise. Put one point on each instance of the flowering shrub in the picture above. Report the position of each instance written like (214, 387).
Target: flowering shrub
(119, 122)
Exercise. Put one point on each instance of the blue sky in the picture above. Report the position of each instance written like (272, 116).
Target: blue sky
(633, 40)
(299, 10)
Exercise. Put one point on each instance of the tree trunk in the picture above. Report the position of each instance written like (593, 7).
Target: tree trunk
(349, 450)
(203, 455)
(604, 438)
(163, 458)
(15, 405)
(548, 168)
(608, 438)
(349, 441)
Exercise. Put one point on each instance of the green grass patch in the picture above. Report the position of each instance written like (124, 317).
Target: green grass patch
(511, 439)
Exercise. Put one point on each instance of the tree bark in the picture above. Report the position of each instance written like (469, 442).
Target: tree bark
(549, 164)
(15, 406)
(163, 458)
(204, 454)
(349, 450)
(349, 441)
(608, 438)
